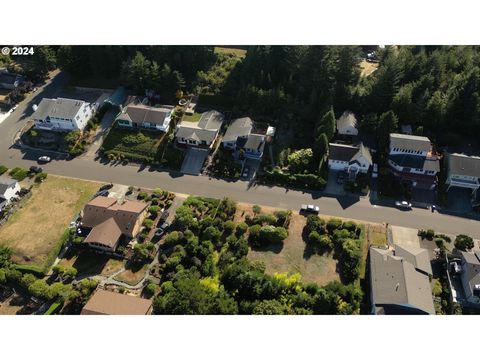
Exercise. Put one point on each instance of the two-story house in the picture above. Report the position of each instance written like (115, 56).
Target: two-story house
(62, 114)
(241, 138)
(412, 159)
(10, 80)
(202, 133)
(349, 158)
(463, 171)
(470, 275)
(146, 117)
(9, 189)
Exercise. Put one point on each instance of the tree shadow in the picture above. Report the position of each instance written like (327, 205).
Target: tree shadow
(275, 248)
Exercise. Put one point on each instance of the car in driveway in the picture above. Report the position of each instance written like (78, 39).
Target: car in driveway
(246, 171)
(44, 159)
(36, 169)
(403, 205)
(312, 209)
(341, 177)
(162, 229)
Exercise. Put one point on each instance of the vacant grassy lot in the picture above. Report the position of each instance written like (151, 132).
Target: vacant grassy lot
(133, 144)
(225, 50)
(34, 231)
(292, 256)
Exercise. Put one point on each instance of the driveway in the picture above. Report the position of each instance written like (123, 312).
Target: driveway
(253, 166)
(193, 162)
(459, 200)
(105, 125)
(405, 236)
(332, 187)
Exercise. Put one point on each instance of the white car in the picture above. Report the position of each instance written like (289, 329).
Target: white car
(44, 159)
(310, 209)
(403, 204)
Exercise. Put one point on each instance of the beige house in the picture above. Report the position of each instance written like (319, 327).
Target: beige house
(109, 303)
(109, 220)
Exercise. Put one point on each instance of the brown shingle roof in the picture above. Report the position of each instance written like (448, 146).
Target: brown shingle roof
(109, 303)
(107, 233)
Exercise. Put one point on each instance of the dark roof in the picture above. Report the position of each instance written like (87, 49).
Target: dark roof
(9, 78)
(410, 142)
(238, 127)
(211, 120)
(460, 164)
(472, 267)
(415, 162)
(348, 153)
(107, 233)
(109, 303)
(394, 280)
(5, 183)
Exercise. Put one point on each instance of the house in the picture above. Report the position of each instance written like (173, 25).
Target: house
(463, 171)
(9, 189)
(349, 158)
(105, 302)
(140, 116)
(108, 221)
(397, 286)
(470, 275)
(202, 133)
(241, 138)
(412, 159)
(347, 124)
(10, 80)
(62, 114)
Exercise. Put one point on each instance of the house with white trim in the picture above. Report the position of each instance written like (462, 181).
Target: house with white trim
(463, 171)
(202, 133)
(140, 116)
(349, 158)
(242, 138)
(9, 190)
(62, 114)
(347, 124)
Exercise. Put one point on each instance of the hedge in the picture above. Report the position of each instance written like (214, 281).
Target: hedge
(53, 308)
(308, 181)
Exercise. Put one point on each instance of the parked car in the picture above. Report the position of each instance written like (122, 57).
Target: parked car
(403, 204)
(14, 108)
(102, 193)
(106, 187)
(340, 177)
(375, 171)
(310, 209)
(36, 169)
(34, 89)
(162, 229)
(246, 171)
(44, 159)
(164, 216)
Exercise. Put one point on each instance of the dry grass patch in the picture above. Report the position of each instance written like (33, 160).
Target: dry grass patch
(90, 263)
(367, 68)
(132, 276)
(34, 231)
(292, 257)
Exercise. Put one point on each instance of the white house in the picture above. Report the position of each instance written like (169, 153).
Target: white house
(200, 134)
(146, 117)
(471, 275)
(412, 159)
(463, 171)
(62, 114)
(9, 189)
(347, 124)
(352, 159)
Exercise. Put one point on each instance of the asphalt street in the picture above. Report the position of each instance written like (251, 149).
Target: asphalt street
(85, 167)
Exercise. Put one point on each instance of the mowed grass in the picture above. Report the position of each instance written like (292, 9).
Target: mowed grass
(226, 50)
(195, 117)
(292, 257)
(35, 230)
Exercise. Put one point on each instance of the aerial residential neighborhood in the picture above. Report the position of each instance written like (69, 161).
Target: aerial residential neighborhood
(218, 180)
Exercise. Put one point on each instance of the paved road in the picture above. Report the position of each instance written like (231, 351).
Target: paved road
(344, 206)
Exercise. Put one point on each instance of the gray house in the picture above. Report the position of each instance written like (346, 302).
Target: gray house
(202, 133)
(463, 171)
(471, 275)
(241, 137)
(398, 286)
(10, 80)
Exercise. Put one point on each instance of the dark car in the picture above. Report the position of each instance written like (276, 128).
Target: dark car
(102, 193)
(36, 169)
(164, 216)
(106, 187)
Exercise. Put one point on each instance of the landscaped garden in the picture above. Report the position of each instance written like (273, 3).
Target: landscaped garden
(224, 165)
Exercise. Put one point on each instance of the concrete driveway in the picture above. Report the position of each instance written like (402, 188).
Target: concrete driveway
(193, 162)
(459, 200)
(405, 236)
(332, 187)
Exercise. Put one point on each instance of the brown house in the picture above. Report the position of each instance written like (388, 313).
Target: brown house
(109, 303)
(109, 220)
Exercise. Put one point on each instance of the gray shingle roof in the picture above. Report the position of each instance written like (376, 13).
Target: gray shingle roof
(211, 120)
(346, 120)
(410, 142)
(253, 141)
(9, 78)
(60, 108)
(460, 164)
(418, 257)
(415, 162)
(141, 114)
(206, 129)
(348, 153)
(238, 127)
(395, 281)
(5, 183)
(196, 134)
(472, 267)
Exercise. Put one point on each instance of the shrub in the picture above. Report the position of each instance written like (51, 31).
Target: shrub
(150, 290)
(172, 238)
(40, 177)
(349, 225)
(256, 209)
(142, 195)
(333, 224)
(3, 169)
(464, 242)
(148, 223)
(430, 234)
(314, 223)
(229, 227)
(154, 210)
(319, 241)
(283, 217)
(241, 229)
(155, 201)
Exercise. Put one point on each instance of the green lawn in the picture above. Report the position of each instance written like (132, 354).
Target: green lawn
(133, 144)
(195, 117)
